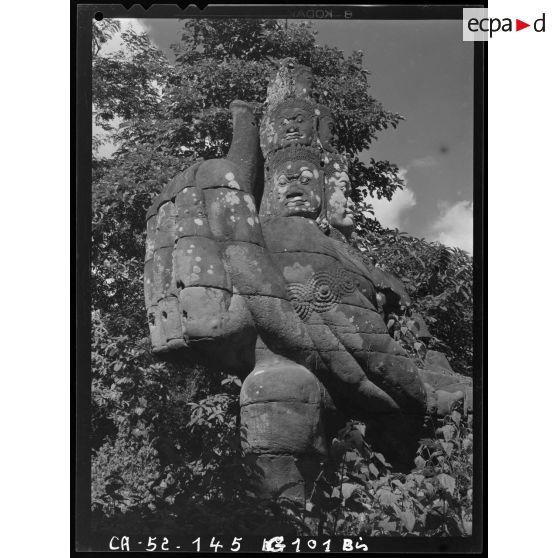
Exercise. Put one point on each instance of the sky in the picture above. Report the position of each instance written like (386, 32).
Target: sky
(424, 71)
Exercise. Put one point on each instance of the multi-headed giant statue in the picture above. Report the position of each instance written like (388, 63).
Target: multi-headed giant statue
(278, 296)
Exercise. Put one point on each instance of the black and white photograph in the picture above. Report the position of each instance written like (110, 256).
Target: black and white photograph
(280, 348)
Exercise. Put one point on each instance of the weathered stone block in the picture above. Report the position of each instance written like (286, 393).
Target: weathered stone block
(219, 172)
(163, 284)
(399, 377)
(232, 215)
(278, 476)
(280, 379)
(192, 217)
(158, 337)
(252, 270)
(283, 427)
(166, 225)
(202, 311)
(197, 262)
(170, 318)
(150, 238)
(148, 284)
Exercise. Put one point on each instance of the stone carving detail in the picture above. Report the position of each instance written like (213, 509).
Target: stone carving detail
(321, 292)
(326, 128)
(277, 296)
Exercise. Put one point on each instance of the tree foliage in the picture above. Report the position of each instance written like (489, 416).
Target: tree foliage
(439, 280)
(165, 440)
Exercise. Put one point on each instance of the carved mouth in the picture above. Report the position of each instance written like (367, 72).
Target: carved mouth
(293, 135)
(295, 197)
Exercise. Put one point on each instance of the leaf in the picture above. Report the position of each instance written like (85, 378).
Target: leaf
(419, 462)
(456, 417)
(351, 456)
(381, 459)
(373, 469)
(448, 431)
(447, 482)
(309, 506)
(387, 525)
(347, 489)
(360, 427)
(387, 497)
(467, 527)
(408, 519)
(448, 447)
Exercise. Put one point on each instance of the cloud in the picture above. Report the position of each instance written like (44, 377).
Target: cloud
(424, 162)
(454, 225)
(391, 213)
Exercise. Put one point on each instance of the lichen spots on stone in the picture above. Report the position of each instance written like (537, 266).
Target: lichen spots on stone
(232, 198)
(196, 269)
(234, 184)
(297, 273)
(316, 173)
(317, 112)
(198, 222)
(250, 221)
(229, 176)
(250, 203)
(210, 271)
(198, 258)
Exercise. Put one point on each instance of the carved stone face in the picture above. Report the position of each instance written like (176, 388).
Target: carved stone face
(294, 125)
(297, 189)
(326, 130)
(340, 205)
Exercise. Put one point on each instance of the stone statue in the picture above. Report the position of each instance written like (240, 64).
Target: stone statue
(278, 296)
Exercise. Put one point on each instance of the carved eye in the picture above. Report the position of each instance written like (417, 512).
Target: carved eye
(300, 119)
(305, 180)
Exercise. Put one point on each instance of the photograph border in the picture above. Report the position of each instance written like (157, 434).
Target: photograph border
(82, 539)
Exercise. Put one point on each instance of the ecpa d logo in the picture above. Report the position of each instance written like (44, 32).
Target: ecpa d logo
(477, 26)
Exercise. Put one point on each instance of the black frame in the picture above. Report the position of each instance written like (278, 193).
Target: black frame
(82, 539)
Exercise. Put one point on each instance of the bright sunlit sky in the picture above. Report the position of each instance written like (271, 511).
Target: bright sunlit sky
(424, 71)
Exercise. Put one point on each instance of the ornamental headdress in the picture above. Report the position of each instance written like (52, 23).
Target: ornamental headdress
(293, 153)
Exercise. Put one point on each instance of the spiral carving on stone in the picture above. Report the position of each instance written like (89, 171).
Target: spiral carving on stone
(321, 292)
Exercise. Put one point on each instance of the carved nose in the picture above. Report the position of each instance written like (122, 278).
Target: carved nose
(292, 128)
